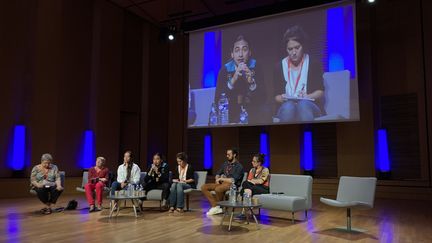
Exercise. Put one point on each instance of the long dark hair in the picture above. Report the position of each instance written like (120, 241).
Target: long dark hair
(260, 157)
(296, 33)
(161, 156)
(182, 156)
(129, 166)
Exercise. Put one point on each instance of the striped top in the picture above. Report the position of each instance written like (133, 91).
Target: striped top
(260, 177)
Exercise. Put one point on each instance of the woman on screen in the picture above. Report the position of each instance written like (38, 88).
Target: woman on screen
(298, 83)
(240, 81)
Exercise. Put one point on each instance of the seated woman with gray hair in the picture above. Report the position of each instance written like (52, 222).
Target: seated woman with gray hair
(45, 180)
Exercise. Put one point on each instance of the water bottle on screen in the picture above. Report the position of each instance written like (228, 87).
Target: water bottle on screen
(223, 109)
(213, 116)
(233, 193)
(244, 116)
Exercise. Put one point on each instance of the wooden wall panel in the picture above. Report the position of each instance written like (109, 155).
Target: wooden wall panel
(399, 116)
(426, 7)
(195, 147)
(107, 64)
(249, 144)
(285, 149)
(324, 147)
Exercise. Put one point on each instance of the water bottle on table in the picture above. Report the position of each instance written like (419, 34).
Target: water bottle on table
(233, 193)
(246, 199)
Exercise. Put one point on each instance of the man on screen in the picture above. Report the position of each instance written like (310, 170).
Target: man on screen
(298, 84)
(241, 82)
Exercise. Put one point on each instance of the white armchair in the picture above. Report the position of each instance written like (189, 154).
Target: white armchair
(353, 192)
(291, 193)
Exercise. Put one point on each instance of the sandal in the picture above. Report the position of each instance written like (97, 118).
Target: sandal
(47, 211)
(171, 210)
(43, 210)
(179, 210)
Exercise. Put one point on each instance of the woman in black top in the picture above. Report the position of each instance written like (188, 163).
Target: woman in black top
(158, 177)
(183, 179)
(298, 83)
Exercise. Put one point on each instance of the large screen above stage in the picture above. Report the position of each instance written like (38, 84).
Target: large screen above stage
(295, 67)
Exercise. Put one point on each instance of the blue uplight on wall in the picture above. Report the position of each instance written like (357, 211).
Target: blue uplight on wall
(212, 58)
(13, 224)
(383, 161)
(307, 151)
(208, 154)
(340, 40)
(17, 153)
(88, 150)
(264, 148)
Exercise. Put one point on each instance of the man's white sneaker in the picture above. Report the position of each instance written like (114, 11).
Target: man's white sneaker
(210, 212)
(218, 211)
(215, 210)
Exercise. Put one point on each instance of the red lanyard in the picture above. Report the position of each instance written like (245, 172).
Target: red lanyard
(298, 76)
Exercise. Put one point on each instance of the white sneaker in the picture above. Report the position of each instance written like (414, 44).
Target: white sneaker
(210, 212)
(215, 210)
(218, 211)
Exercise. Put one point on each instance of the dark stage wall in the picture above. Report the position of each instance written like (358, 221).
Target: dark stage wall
(71, 65)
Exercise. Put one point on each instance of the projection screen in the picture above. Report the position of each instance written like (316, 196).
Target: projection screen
(290, 68)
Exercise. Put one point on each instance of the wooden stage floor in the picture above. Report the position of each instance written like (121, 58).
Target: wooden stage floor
(389, 221)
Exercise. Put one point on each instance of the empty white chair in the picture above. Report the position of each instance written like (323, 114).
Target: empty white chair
(83, 182)
(353, 192)
(200, 179)
(291, 193)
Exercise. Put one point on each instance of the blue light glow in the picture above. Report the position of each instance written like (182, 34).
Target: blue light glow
(17, 159)
(212, 58)
(340, 40)
(208, 155)
(307, 151)
(383, 162)
(264, 148)
(88, 151)
(13, 223)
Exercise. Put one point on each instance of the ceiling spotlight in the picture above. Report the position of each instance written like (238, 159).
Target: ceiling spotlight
(371, 1)
(172, 30)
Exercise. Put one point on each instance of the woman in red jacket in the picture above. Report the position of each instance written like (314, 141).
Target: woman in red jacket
(97, 180)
